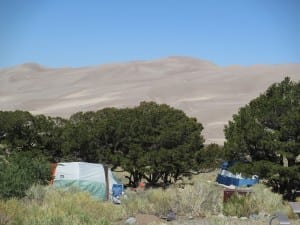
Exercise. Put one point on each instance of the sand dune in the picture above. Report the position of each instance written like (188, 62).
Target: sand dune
(202, 89)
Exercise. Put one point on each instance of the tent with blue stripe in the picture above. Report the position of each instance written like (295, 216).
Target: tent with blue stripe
(227, 178)
(88, 177)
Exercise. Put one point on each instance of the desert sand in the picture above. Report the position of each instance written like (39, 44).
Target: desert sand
(209, 92)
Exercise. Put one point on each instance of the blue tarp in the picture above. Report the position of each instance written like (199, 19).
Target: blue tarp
(117, 190)
(221, 179)
(227, 178)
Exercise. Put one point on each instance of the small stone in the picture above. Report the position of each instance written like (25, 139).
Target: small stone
(171, 215)
(262, 215)
(116, 200)
(253, 216)
(191, 217)
(130, 221)
(243, 218)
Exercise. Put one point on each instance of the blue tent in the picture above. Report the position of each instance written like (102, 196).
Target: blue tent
(227, 178)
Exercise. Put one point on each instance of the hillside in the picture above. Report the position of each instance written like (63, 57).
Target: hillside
(202, 89)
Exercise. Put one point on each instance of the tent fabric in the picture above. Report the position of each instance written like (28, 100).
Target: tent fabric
(227, 178)
(89, 177)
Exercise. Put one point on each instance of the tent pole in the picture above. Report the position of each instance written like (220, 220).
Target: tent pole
(106, 181)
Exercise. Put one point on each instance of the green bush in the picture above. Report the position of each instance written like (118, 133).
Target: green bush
(19, 171)
(240, 206)
(261, 200)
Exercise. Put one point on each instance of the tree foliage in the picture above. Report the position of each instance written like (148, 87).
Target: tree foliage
(267, 132)
(167, 141)
(210, 157)
(20, 131)
(151, 141)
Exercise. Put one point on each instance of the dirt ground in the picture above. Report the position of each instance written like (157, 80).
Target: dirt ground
(226, 221)
(144, 219)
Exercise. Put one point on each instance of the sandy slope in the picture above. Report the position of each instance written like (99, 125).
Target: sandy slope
(200, 88)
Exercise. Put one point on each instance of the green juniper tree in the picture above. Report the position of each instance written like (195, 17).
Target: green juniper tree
(267, 132)
(150, 141)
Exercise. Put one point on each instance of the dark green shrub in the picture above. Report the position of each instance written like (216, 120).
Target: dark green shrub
(19, 171)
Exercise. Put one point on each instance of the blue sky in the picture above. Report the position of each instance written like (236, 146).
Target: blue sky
(59, 33)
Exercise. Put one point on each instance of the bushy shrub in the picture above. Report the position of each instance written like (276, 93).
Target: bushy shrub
(49, 206)
(45, 205)
(37, 192)
(240, 206)
(267, 201)
(198, 199)
(260, 200)
(19, 171)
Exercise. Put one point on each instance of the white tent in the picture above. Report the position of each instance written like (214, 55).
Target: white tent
(88, 177)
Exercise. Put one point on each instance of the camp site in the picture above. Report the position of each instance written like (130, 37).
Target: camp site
(147, 165)
(161, 112)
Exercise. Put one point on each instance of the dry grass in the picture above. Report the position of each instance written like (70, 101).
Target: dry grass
(196, 199)
(47, 206)
(199, 198)
(267, 201)
(262, 200)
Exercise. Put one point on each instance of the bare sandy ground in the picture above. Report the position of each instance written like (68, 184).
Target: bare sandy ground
(144, 219)
(202, 89)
